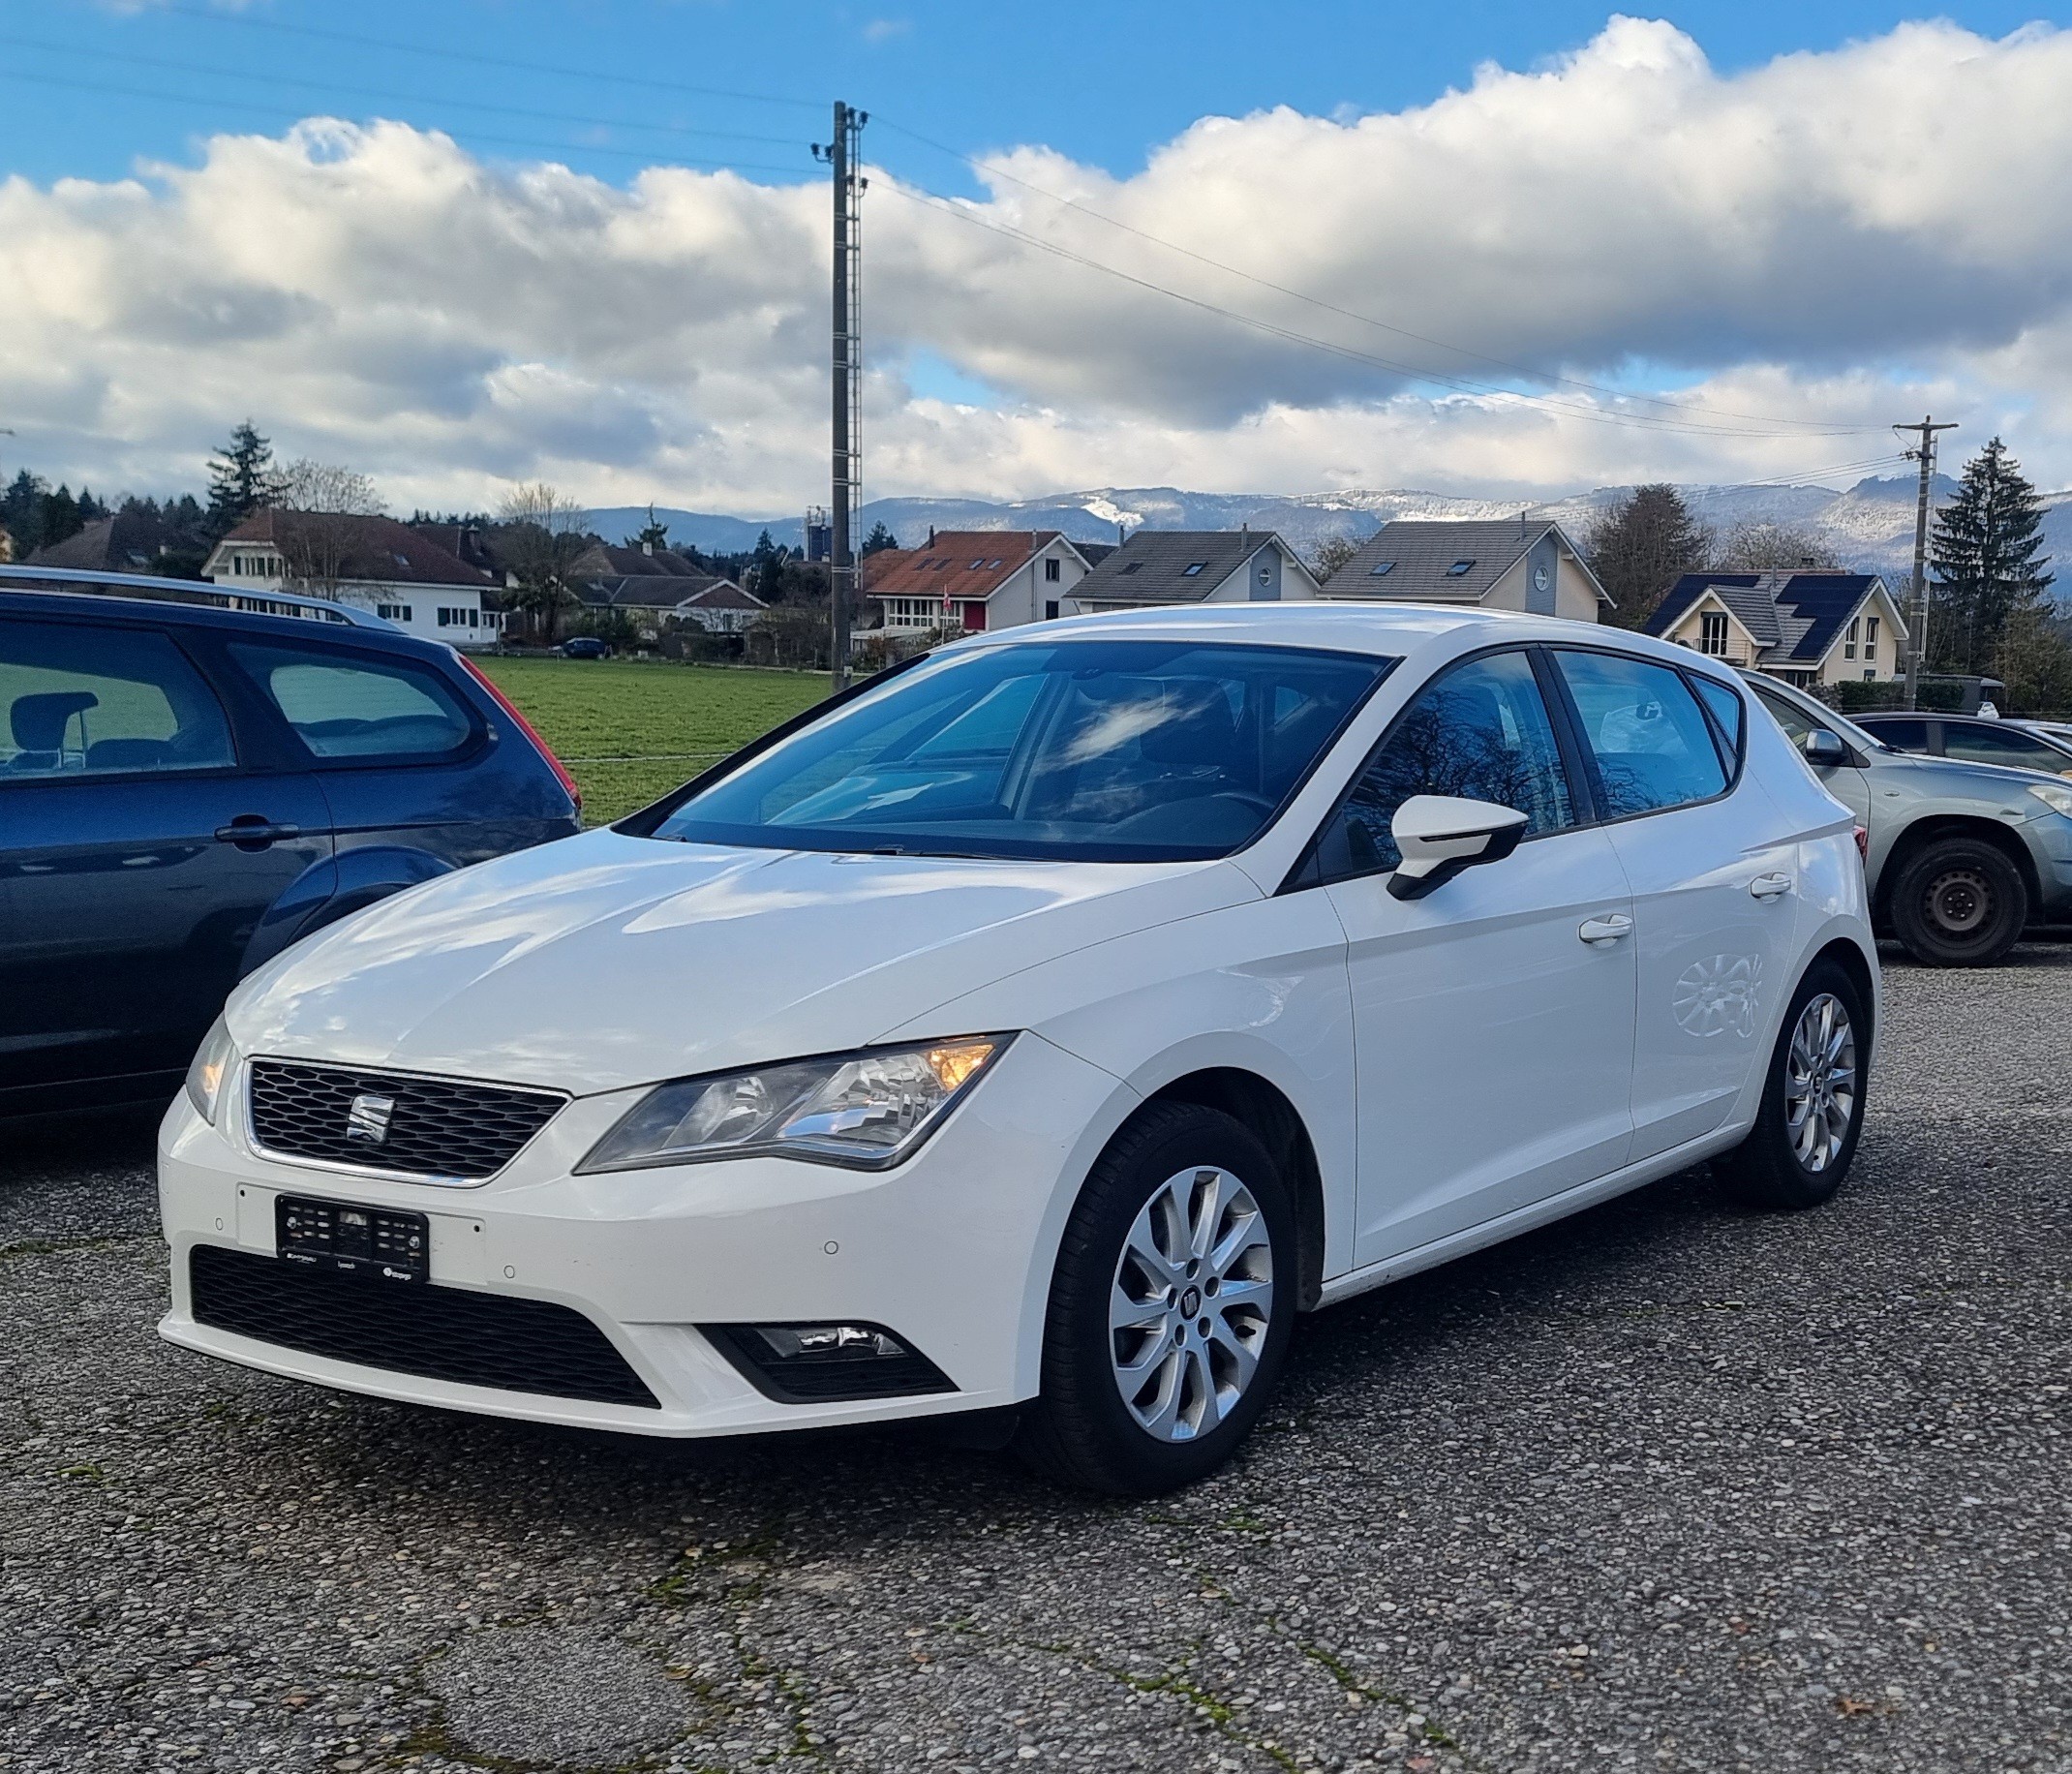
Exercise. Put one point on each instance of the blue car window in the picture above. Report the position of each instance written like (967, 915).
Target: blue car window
(1644, 731)
(350, 706)
(91, 701)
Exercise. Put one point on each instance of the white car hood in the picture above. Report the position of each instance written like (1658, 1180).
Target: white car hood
(605, 961)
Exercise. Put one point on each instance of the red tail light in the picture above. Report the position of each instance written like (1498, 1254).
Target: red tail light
(1863, 845)
(525, 728)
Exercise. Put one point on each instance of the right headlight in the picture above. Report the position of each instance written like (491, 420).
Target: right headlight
(2057, 800)
(211, 1068)
(865, 1110)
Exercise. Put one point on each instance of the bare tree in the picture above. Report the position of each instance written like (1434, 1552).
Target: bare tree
(546, 531)
(1330, 553)
(316, 508)
(1765, 548)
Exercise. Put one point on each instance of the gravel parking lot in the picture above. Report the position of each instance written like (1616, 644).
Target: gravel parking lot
(1667, 1486)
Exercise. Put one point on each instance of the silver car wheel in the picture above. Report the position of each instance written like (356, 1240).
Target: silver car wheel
(1820, 1081)
(1191, 1303)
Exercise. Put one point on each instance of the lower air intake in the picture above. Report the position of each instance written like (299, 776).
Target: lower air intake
(434, 1333)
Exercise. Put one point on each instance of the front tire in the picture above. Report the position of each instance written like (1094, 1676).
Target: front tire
(1959, 903)
(1170, 1308)
(1805, 1136)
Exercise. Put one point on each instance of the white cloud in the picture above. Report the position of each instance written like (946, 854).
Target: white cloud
(1842, 237)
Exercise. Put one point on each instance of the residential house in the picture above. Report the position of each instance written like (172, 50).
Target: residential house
(1805, 628)
(975, 579)
(1156, 567)
(1495, 564)
(128, 543)
(371, 563)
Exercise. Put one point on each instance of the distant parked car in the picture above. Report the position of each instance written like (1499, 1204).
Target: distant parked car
(584, 647)
(185, 791)
(2017, 745)
(1961, 856)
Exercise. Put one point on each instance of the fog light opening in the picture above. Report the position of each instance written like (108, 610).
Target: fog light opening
(826, 1364)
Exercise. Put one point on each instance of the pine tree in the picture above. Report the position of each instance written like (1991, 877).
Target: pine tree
(1640, 546)
(60, 517)
(1986, 563)
(21, 512)
(880, 539)
(241, 478)
(653, 536)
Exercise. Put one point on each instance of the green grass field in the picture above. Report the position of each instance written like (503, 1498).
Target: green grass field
(630, 730)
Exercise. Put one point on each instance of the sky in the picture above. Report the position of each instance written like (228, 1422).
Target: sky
(1506, 250)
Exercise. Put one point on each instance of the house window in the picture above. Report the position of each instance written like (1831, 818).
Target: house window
(1051, 572)
(1848, 645)
(913, 612)
(1381, 566)
(1458, 569)
(393, 612)
(1712, 633)
(1049, 609)
(1191, 568)
(1871, 638)
(1870, 674)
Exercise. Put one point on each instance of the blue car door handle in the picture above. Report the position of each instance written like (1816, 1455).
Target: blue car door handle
(255, 831)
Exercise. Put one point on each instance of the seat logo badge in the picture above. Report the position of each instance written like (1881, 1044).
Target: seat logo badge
(368, 1118)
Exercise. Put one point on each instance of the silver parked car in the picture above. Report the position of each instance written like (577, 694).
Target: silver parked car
(1976, 739)
(1962, 856)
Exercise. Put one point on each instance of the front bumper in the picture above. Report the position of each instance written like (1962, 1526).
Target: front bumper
(2050, 842)
(951, 1250)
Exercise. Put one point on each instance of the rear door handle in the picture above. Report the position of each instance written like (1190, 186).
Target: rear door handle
(1770, 886)
(255, 831)
(1608, 928)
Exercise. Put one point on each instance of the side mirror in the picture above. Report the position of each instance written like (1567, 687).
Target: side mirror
(1440, 834)
(1824, 750)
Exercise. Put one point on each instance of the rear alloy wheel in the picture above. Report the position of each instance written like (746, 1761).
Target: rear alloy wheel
(1170, 1308)
(1805, 1135)
(1959, 903)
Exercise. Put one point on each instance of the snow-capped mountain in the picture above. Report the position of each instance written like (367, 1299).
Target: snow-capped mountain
(1869, 525)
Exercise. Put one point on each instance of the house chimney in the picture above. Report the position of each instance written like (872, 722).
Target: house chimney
(931, 535)
(647, 548)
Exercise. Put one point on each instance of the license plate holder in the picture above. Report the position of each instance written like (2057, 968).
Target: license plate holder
(370, 1244)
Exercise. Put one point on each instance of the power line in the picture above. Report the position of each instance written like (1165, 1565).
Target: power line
(1416, 373)
(558, 71)
(376, 96)
(990, 169)
(249, 108)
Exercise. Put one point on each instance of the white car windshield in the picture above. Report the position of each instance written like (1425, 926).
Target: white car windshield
(1122, 750)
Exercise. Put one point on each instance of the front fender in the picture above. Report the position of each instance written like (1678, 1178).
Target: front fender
(329, 890)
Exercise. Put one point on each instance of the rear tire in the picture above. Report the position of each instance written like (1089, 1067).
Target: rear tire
(1798, 1152)
(1960, 903)
(1170, 1308)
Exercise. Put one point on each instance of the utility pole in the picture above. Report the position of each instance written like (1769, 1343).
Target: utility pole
(1917, 640)
(842, 155)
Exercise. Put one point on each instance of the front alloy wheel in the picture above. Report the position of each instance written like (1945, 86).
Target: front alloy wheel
(1191, 1306)
(1170, 1306)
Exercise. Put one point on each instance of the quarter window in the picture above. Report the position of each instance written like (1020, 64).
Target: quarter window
(92, 701)
(1643, 733)
(1481, 732)
(346, 706)
(1726, 710)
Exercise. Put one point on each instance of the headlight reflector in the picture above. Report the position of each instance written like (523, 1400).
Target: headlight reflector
(2057, 800)
(865, 1110)
(210, 1067)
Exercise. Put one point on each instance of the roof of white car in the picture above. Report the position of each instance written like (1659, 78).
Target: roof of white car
(1393, 628)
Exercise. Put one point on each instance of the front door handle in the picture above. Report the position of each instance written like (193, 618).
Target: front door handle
(255, 832)
(1770, 886)
(1608, 928)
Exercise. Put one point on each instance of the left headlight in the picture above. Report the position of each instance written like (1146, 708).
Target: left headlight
(2057, 800)
(865, 1110)
(211, 1068)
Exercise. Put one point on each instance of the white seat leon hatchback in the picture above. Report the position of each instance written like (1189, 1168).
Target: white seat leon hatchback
(1035, 1032)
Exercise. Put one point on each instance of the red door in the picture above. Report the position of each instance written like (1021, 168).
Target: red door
(974, 618)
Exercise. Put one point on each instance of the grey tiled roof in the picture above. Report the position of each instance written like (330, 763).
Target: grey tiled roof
(1420, 554)
(646, 591)
(1151, 566)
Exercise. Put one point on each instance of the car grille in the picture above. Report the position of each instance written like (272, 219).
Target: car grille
(435, 1332)
(430, 1127)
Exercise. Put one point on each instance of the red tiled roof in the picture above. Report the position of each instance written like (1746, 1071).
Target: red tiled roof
(964, 564)
(375, 548)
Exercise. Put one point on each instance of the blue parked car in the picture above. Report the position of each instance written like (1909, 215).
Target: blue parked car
(186, 790)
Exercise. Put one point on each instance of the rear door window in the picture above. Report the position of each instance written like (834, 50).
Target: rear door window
(1901, 735)
(1643, 731)
(351, 706)
(84, 701)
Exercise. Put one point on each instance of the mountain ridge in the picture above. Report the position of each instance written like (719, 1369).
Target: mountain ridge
(1868, 527)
